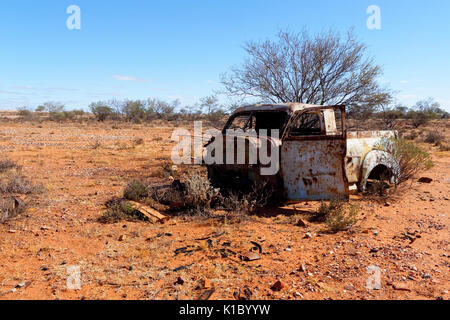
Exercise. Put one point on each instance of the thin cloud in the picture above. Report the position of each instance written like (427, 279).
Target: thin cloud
(23, 87)
(129, 78)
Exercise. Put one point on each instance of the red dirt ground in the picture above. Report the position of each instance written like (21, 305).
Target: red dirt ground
(82, 165)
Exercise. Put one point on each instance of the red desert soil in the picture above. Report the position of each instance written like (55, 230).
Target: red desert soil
(83, 165)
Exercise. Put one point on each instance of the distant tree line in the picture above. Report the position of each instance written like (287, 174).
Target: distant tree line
(137, 111)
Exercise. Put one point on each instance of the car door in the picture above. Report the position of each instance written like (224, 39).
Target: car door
(313, 155)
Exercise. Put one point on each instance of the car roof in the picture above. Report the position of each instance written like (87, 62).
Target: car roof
(284, 107)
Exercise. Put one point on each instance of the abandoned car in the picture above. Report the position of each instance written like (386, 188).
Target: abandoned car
(317, 158)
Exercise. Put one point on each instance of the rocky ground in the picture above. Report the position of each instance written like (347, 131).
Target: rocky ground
(82, 165)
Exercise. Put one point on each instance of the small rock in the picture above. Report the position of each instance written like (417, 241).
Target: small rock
(243, 294)
(179, 281)
(400, 287)
(122, 237)
(349, 287)
(277, 286)
(426, 276)
(251, 256)
(206, 284)
(308, 235)
(387, 204)
(425, 180)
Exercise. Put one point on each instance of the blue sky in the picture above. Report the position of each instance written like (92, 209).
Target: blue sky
(177, 49)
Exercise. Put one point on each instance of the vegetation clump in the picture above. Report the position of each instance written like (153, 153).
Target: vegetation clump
(338, 215)
(13, 184)
(411, 159)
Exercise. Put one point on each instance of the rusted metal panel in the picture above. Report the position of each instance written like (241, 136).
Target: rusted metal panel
(359, 144)
(313, 167)
(313, 170)
(323, 165)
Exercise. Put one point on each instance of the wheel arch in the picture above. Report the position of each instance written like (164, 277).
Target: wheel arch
(376, 162)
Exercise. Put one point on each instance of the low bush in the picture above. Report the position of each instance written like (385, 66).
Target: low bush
(100, 111)
(434, 138)
(342, 217)
(13, 183)
(10, 207)
(410, 157)
(118, 210)
(135, 190)
(337, 215)
(7, 164)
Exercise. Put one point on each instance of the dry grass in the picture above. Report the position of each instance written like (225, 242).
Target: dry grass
(13, 183)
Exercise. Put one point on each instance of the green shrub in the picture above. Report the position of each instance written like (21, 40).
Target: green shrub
(418, 118)
(325, 209)
(341, 216)
(337, 215)
(101, 112)
(135, 190)
(118, 210)
(410, 157)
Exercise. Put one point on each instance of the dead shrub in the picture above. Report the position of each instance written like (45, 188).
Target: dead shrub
(96, 145)
(410, 157)
(10, 207)
(13, 182)
(412, 136)
(199, 192)
(138, 142)
(17, 184)
(165, 171)
(434, 137)
(444, 147)
(7, 164)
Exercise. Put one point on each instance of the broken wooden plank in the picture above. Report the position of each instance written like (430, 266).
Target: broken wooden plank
(150, 213)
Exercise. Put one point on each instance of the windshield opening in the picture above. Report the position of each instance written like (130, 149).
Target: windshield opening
(258, 120)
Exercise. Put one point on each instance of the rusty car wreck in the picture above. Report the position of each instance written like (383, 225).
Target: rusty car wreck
(318, 159)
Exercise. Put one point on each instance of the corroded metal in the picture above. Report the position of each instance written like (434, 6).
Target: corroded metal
(323, 165)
